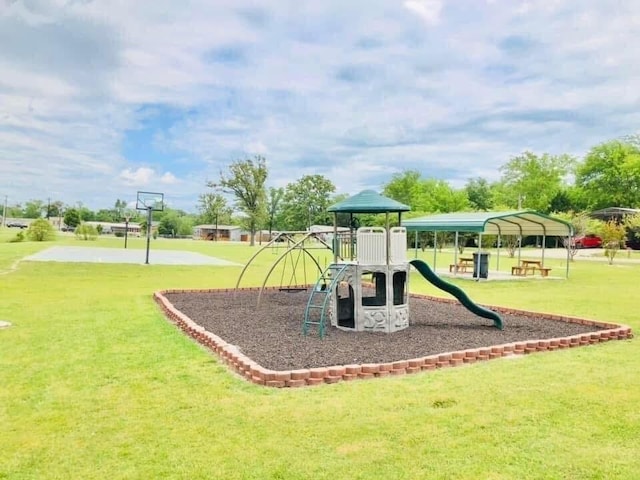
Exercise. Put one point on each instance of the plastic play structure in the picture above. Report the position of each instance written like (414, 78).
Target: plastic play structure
(365, 287)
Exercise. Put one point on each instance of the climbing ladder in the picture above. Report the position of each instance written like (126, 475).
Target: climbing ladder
(319, 298)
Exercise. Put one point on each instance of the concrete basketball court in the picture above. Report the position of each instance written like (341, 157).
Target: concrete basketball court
(135, 256)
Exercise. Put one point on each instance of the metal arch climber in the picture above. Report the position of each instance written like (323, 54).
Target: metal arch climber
(292, 246)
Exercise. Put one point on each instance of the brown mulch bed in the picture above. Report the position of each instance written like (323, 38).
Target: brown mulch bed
(271, 335)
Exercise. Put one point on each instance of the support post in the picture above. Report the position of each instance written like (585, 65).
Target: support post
(146, 261)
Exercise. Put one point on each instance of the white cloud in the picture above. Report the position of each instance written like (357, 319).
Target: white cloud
(427, 10)
(168, 178)
(140, 177)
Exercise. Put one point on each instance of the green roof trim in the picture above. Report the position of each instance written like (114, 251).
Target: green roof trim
(368, 201)
(520, 222)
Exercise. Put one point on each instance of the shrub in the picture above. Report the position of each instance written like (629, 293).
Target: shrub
(41, 230)
(118, 233)
(612, 238)
(86, 232)
(18, 238)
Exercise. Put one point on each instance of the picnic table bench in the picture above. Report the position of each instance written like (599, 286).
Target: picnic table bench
(530, 266)
(462, 265)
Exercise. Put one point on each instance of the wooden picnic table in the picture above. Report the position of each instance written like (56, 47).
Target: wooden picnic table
(462, 265)
(530, 266)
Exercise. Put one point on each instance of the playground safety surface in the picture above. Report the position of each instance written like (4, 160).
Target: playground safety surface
(271, 334)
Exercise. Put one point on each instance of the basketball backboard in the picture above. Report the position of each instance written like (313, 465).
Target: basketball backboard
(150, 200)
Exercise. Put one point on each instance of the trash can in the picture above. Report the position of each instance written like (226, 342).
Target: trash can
(480, 265)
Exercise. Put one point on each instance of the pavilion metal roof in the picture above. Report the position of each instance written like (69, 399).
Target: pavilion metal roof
(368, 201)
(522, 222)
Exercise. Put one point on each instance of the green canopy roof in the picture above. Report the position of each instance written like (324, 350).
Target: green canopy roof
(526, 222)
(368, 201)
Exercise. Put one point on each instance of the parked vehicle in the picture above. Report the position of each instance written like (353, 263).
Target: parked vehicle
(16, 225)
(587, 241)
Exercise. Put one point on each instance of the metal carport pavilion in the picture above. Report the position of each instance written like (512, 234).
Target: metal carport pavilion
(519, 223)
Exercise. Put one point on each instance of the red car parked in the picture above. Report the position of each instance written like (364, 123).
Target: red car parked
(588, 241)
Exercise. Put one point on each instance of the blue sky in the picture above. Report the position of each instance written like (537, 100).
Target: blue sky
(100, 99)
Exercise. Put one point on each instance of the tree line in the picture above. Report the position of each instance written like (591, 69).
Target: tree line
(607, 176)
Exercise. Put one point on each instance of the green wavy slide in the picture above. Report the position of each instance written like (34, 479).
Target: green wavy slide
(430, 276)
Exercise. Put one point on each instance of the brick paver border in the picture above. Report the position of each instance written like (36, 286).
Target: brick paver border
(253, 372)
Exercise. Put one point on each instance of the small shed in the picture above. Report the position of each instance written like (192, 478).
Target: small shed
(518, 222)
(217, 232)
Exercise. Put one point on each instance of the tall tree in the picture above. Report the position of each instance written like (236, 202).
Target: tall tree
(33, 209)
(479, 194)
(214, 209)
(425, 195)
(55, 208)
(72, 218)
(404, 187)
(306, 201)
(118, 210)
(533, 181)
(246, 181)
(610, 176)
(274, 206)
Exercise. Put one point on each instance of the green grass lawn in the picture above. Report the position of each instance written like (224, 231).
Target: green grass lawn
(95, 383)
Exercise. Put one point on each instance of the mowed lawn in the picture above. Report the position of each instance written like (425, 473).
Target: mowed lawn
(95, 384)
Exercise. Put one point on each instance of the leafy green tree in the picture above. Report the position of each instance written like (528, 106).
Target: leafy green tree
(40, 230)
(55, 208)
(425, 195)
(104, 215)
(306, 201)
(610, 175)
(33, 209)
(214, 209)
(118, 210)
(533, 181)
(562, 202)
(72, 218)
(405, 187)
(86, 215)
(438, 196)
(185, 225)
(274, 207)
(246, 181)
(170, 223)
(479, 194)
(14, 211)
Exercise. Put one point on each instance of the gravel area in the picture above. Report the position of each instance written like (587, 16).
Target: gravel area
(272, 334)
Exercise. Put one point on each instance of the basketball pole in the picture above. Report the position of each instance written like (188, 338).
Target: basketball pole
(148, 234)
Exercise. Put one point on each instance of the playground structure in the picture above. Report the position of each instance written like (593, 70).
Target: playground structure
(368, 293)
(293, 249)
(365, 287)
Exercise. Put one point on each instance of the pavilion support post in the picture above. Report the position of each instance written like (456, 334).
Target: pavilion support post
(455, 254)
(566, 274)
(435, 247)
(416, 245)
(544, 243)
(477, 269)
